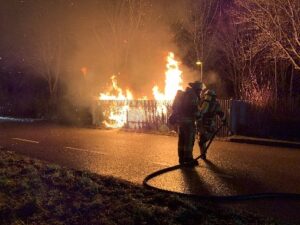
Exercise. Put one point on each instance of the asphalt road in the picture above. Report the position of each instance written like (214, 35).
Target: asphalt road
(232, 168)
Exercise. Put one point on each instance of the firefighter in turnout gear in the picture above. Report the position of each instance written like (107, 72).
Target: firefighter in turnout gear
(206, 125)
(188, 111)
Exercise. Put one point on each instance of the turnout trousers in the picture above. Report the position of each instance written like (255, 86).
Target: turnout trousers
(186, 139)
(205, 134)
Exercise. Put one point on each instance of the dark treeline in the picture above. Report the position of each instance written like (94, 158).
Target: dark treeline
(58, 51)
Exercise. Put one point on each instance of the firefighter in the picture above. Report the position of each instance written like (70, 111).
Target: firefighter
(189, 112)
(206, 125)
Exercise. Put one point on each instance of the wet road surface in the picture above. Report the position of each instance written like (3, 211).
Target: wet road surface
(232, 168)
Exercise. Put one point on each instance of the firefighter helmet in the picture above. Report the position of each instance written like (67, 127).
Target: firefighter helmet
(211, 93)
(197, 85)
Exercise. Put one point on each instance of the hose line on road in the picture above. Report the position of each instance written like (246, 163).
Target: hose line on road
(278, 195)
(256, 196)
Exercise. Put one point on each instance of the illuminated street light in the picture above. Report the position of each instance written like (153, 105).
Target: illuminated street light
(199, 63)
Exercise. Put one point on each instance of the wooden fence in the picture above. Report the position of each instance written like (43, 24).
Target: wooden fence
(150, 114)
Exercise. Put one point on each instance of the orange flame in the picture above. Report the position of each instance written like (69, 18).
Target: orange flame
(173, 81)
(116, 93)
(117, 115)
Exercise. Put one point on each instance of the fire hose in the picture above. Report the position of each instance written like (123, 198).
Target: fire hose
(277, 195)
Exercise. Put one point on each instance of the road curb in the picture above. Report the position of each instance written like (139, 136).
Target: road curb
(267, 142)
(236, 139)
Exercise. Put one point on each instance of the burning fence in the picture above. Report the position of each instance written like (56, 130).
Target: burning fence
(148, 114)
(121, 109)
(118, 108)
(135, 114)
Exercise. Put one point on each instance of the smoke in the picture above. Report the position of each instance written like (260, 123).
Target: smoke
(213, 80)
(131, 46)
(84, 43)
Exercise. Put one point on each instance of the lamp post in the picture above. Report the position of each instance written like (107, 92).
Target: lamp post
(199, 63)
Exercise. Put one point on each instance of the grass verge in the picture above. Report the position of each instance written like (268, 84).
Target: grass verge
(36, 192)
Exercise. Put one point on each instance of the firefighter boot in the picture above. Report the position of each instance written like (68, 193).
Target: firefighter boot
(188, 157)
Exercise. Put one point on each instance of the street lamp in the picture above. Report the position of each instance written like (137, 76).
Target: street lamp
(199, 63)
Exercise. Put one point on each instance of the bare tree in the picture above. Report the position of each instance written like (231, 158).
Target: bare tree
(277, 25)
(202, 16)
(237, 50)
(235, 59)
(244, 61)
(48, 61)
(276, 22)
(47, 43)
(117, 25)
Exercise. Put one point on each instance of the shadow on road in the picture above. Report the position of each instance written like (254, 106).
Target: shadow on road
(211, 179)
(241, 182)
(193, 181)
